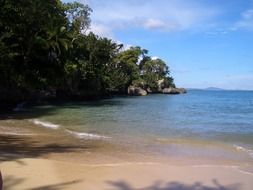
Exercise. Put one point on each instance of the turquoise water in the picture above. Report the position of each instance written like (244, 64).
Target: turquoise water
(209, 114)
(158, 121)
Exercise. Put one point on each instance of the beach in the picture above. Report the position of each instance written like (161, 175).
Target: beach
(41, 158)
(156, 142)
(40, 173)
(126, 95)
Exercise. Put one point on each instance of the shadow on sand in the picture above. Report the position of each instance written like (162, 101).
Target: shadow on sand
(122, 185)
(16, 147)
(11, 183)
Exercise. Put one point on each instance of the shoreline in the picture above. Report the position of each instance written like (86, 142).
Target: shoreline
(42, 158)
(55, 141)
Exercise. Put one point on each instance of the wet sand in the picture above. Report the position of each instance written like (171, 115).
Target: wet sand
(40, 158)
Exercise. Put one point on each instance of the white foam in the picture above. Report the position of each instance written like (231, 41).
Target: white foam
(243, 149)
(245, 172)
(45, 124)
(86, 135)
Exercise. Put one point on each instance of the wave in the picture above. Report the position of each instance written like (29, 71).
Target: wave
(86, 135)
(45, 124)
(243, 149)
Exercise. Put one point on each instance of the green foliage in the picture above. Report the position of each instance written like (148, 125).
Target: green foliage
(154, 71)
(126, 64)
(95, 72)
(32, 40)
(78, 16)
(44, 45)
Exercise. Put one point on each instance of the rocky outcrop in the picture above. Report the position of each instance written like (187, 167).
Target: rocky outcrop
(136, 91)
(174, 90)
(160, 86)
(182, 90)
(149, 91)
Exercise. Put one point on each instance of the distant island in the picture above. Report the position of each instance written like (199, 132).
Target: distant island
(214, 88)
(208, 88)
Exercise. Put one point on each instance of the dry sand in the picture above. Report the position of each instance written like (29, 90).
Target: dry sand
(40, 174)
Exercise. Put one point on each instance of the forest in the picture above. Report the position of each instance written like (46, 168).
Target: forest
(47, 51)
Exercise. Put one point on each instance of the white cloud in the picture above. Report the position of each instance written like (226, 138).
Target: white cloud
(154, 58)
(246, 20)
(218, 31)
(101, 30)
(125, 46)
(248, 15)
(170, 15)
(154, 23)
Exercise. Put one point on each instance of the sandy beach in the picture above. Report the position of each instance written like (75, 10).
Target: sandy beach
(40, 158)
(36, 174)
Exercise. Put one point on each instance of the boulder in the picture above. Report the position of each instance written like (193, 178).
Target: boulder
(160, 85)
(149, 91)
(136, 91)
(182, 90)
(172, 90)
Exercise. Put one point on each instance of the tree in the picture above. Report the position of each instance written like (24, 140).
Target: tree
(127, 64)
(31, 49)
(154, 71)
(78, 16)
(45, 45)
(90, 71)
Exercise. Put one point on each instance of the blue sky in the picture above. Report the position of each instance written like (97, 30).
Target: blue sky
(204, 42)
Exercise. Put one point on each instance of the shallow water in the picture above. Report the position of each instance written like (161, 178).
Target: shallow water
(209, 124)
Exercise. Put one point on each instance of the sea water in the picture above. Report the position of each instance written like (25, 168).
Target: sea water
(187, 125)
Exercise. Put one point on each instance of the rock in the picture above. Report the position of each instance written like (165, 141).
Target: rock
(174, 90)
(149, 90)
(160, 85)
(182, 90)
(136, 91)
(170, 91)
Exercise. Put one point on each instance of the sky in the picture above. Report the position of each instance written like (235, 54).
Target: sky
(205, 43)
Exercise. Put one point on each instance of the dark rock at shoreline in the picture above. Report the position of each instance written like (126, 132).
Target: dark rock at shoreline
(174, 90)
(136, 91)
(149, 91)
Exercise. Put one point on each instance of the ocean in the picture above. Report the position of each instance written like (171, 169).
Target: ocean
(215, 125)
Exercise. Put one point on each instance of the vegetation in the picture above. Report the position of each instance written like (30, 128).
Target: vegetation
(46, 50)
